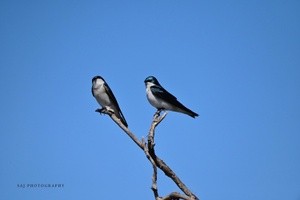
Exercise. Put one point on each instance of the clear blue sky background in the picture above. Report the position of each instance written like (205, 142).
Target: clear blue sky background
(236, 63)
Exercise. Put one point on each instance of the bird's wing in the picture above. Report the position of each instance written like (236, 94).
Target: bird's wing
(163, 94)
(113, 98)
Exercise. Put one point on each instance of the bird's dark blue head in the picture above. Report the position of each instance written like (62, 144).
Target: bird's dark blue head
(97, 77)
(151, 79)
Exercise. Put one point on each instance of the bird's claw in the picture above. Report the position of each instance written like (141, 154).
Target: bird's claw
(105, 110)
(100, 110)
(158, 112)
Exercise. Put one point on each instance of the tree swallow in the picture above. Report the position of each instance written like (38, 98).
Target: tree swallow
(162, 99)
(106, 98)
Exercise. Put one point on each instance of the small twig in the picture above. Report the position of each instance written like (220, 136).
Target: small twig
(156, 121)
(154, 176)
(154, 181)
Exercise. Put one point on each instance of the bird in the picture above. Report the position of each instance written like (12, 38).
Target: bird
(161, 99)
(105, 97)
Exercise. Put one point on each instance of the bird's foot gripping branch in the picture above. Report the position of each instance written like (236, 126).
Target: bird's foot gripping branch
(105, 110)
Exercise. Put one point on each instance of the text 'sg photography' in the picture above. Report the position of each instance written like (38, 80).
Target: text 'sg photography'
(38, 185)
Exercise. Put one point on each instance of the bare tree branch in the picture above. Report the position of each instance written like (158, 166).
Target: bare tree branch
(175, 196)
(149, 150)
(159, 162)
(121, 125)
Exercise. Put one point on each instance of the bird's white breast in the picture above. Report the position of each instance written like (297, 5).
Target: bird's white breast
(155, 101)
(100, 93)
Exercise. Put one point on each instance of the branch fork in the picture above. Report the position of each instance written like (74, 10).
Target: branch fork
(156, 162)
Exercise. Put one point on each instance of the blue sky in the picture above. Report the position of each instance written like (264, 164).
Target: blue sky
(236, 63)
